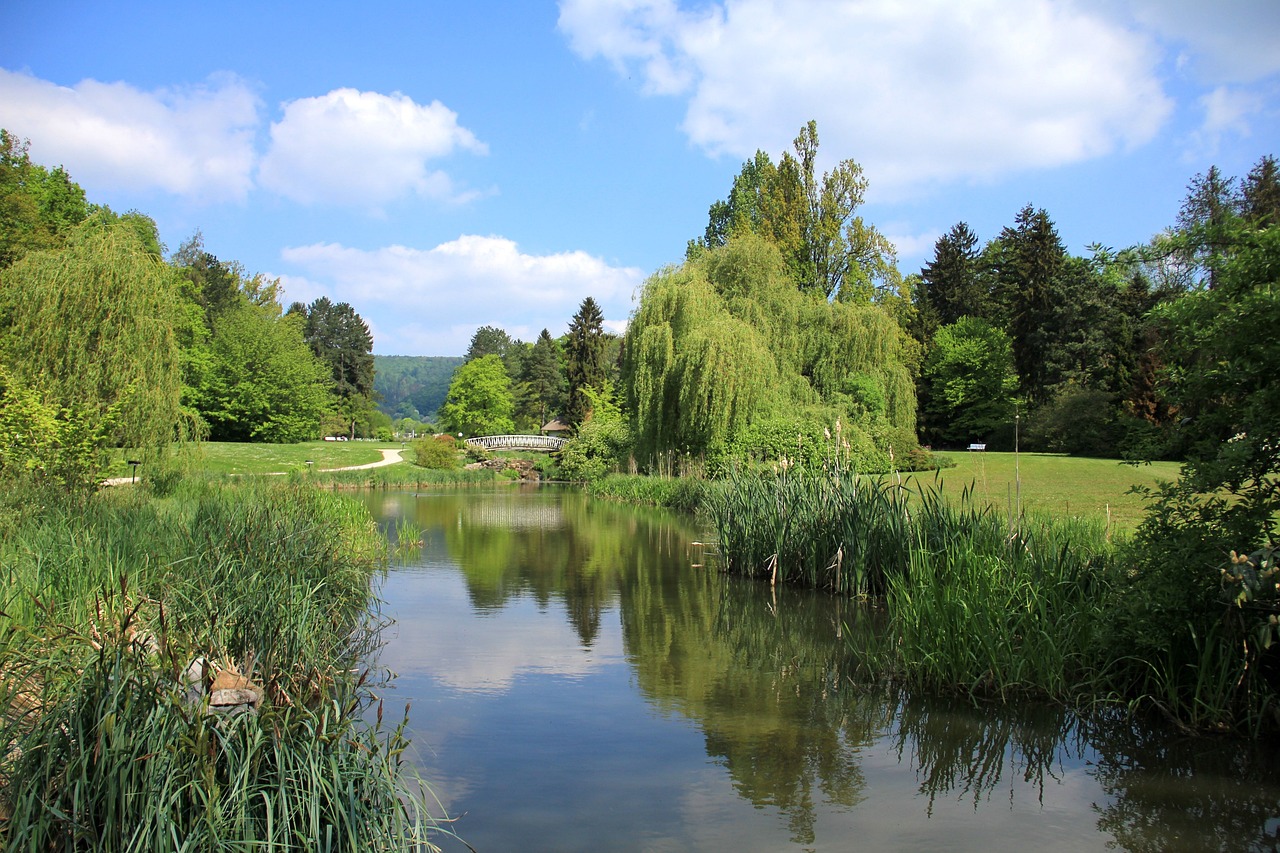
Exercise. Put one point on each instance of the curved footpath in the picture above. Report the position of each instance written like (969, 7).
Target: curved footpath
(389, 457)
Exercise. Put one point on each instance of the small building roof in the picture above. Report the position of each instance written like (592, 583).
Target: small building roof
(555, 425)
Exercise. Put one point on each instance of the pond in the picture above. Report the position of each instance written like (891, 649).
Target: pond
(582, 678)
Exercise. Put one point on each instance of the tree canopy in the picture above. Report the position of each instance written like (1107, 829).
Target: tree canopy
(813, 220)
(87, 331)
(479, 400)
(585, 359)
(726, 341)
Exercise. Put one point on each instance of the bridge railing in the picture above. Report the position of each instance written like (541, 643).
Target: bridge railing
(518, 442)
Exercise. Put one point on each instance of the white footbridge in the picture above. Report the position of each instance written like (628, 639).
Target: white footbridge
(544, 443)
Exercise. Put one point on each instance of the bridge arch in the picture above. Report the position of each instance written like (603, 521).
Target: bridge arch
(543, 443)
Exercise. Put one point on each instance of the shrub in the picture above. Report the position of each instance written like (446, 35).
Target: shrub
(439, 453)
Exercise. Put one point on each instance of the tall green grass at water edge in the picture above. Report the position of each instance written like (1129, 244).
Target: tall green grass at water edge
(975, 602)
(109, 743)
(1038, 605)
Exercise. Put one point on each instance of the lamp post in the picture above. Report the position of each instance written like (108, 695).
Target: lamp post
(133, 477)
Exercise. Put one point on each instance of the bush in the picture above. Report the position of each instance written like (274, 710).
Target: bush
(1078, 421)
(439, 453)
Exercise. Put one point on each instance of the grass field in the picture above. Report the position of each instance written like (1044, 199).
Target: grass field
(1062, 485)
(225, 457)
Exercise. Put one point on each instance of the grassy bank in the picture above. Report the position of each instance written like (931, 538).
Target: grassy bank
(219, 458)
(1063, 486)
(125, 617)
(1041, 604)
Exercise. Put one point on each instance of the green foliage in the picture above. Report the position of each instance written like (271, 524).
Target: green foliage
(1222, 368)
(684, 494)
(265, 383)
(479, 400)
(89, 328)
(827, 248)
(38, 207)
(602, 444)
(1200, 661)
(111, 747)
(489, 340)
(951, 285)
(437, 452)
(341, 340)
(971, 381)
(1079, 421)
(585, 359)
(727, 341)
(542, 381)
(49, 445)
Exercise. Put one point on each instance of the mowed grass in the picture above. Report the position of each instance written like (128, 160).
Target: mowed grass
(1066, 486)
(219, 458)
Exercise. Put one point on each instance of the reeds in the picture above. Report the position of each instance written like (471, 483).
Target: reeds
(976, 602)
(109, 740)
(679, 493)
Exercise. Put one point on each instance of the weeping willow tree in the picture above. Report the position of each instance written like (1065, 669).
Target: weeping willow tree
(725, 355)
(89, 358)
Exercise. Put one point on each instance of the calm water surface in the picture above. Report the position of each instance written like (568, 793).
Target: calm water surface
(579, 683)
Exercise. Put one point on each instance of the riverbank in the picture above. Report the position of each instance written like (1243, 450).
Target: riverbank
(206, 648)
(982, 602)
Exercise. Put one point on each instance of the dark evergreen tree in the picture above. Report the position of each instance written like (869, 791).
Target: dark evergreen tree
(585, 365)
(1031, 259)
(542, 381)
(1212, 204)
(952, 285)
(1260, 194)
(214, 284)
(341, 340)
(488, 340)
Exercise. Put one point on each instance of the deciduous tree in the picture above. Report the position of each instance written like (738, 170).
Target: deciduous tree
(479, 401)
(89, 329)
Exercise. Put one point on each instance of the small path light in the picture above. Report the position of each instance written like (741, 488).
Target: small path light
(134, 463)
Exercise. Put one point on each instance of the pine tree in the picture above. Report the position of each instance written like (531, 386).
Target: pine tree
(951, 281)
(584, 358)
(542, 380)
(1033, 256)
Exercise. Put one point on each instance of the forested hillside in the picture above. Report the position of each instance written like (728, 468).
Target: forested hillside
(413, 386)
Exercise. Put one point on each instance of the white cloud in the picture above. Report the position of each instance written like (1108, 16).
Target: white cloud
(430, 301)
(363, 148)
(194, 141)
(1227, 112)
(911, 246)
(917, 93)
(1226, 41)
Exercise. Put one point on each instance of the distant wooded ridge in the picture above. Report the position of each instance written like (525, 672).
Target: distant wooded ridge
(413, 386)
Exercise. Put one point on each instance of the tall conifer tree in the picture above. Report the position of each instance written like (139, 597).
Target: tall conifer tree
(584, 358)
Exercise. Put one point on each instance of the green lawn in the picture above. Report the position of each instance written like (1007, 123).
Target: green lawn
(1063, 485)
(225, 457)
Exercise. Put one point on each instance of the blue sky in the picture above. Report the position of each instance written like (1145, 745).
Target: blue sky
(447, 165)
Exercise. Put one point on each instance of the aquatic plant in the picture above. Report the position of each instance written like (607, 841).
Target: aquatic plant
(116, 619)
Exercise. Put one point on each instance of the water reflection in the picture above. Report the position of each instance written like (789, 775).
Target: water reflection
(568, 651)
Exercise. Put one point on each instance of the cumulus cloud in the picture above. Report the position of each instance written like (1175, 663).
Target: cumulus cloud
(430, 301)
(194, 141)
(917, 93)
(363, 148)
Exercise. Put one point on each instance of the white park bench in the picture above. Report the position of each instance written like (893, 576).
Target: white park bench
(977, 446)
